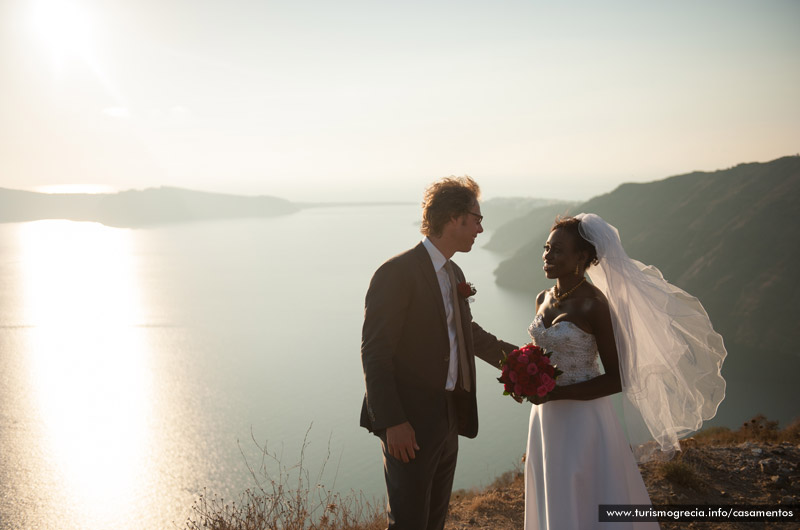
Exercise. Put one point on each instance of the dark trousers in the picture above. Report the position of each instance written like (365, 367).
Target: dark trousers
(419, 491)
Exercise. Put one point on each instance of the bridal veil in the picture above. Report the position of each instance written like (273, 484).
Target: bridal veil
(669, 354)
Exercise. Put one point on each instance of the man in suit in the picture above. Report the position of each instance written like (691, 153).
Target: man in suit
(418, 351)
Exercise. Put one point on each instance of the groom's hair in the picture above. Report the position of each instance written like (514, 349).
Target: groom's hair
(446, 199)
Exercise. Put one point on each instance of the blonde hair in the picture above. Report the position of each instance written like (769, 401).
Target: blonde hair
(446, 199)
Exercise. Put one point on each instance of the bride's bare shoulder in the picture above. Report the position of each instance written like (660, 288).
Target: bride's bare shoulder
(596, 303)
(541, 297)
(597, 296)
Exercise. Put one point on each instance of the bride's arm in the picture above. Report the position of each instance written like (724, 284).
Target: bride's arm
(599, 318)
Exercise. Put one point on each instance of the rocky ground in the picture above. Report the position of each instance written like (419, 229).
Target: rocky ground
(756, 465)
(709, 470)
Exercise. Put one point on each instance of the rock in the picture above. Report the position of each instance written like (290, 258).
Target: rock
(768, 466)
(787, 499)
(778, 482)
(757, 451)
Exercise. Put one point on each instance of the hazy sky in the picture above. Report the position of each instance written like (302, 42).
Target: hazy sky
(315, 99)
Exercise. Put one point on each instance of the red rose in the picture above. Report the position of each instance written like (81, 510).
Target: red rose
(466, 289)
(528, 372)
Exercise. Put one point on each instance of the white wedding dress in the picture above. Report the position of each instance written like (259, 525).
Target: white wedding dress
(577, 457)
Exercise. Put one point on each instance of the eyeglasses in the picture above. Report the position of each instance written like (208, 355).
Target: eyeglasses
(480, 217)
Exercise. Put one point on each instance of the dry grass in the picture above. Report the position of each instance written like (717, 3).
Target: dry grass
(681, 474)
(758, 429)
(500, 506)
(291, 501)
(287, 500)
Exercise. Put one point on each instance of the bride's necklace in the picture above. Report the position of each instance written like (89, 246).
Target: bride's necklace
(559, 297)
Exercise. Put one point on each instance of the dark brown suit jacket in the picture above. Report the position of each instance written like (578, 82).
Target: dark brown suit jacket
(405, 347)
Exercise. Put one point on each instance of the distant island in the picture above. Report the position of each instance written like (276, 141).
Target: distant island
(149, 207)
(137, 208)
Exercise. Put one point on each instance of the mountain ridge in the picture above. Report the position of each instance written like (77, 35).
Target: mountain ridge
(727, 237)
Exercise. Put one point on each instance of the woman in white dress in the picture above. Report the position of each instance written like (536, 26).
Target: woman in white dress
(656, 346)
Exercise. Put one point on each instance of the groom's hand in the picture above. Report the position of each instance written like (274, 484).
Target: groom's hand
(402, 442)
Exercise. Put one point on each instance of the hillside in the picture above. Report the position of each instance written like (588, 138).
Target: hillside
(509, 237)
(728, 237)
(501, 210)
(135, 208)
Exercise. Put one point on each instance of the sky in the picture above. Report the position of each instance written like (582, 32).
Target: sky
(373, 100)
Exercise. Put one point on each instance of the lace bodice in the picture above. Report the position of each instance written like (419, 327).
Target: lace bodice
(573, 350)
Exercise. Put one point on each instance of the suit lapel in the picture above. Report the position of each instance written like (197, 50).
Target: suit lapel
(466, 319)
(463, 306)
(426, 268)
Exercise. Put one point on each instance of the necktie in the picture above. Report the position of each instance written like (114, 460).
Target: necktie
(463, 363)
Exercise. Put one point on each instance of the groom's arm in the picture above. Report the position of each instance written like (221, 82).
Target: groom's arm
(488, 347)
(385, 310)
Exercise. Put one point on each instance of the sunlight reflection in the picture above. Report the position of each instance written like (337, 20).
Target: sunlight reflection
(89, 361)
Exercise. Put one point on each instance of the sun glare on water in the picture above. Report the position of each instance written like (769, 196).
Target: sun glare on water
(89, 364)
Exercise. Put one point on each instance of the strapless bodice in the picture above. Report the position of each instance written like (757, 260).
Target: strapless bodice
(573, 350)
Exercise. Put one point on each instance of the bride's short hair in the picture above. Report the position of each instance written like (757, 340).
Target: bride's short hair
(571, 225)
(445, 199)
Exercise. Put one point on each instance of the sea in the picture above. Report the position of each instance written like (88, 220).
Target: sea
(141, 369)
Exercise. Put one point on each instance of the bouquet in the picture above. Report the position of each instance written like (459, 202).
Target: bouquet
(527, 372)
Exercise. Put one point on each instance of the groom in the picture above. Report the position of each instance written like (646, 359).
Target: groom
(418, 349)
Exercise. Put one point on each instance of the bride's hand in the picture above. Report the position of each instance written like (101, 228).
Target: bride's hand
(536, 400)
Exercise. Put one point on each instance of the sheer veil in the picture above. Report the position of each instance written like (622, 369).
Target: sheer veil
(669, 354)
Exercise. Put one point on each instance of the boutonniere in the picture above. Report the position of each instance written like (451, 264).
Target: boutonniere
(466, 290)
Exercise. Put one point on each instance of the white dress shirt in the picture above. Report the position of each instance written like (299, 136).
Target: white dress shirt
(439, 262)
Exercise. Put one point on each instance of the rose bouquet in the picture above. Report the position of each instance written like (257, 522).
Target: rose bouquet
(528, 372)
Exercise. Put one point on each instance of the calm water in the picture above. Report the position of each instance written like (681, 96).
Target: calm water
(137, 364)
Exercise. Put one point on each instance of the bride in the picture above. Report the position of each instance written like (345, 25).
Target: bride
(656, 346)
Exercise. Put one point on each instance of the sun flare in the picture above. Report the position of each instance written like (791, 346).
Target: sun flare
(64, 29)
